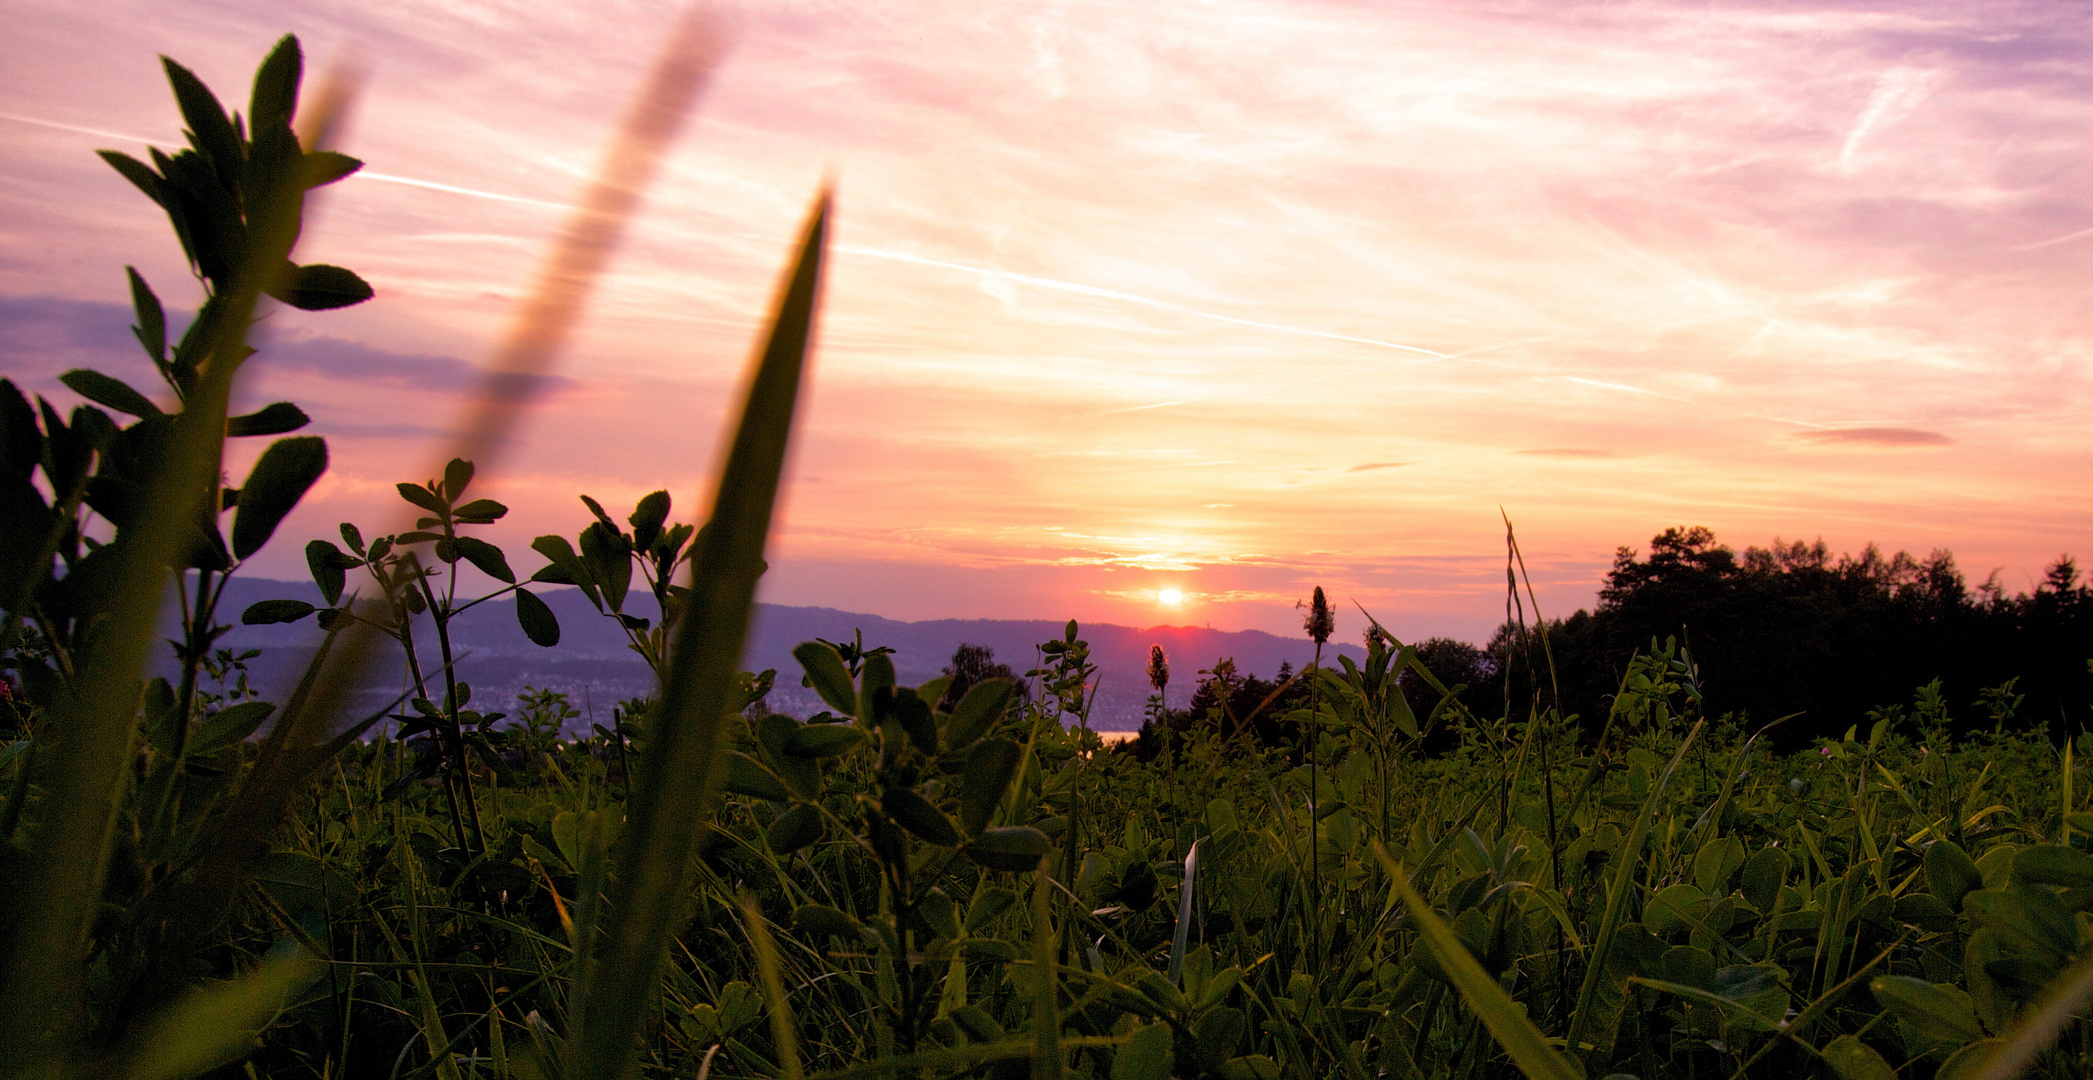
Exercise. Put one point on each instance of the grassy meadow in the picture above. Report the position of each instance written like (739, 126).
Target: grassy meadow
(928, 881)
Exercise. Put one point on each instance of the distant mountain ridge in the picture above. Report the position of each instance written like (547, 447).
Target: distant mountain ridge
(596, 668)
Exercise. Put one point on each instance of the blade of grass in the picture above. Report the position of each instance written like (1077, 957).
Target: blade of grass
(2062, 1002)
(1508, 1024)
(1046, 1011)
(42, 988)
(1184, 915)
(782, 1030)
(216, 1025)
(680, 775)
(1623, 880)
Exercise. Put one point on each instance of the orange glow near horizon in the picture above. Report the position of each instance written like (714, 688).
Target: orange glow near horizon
(1269, 294)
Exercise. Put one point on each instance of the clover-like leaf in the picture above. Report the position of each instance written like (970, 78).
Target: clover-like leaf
(265, 612)
(319, 287)
(538, 622)
(281, 477)
(108, 391)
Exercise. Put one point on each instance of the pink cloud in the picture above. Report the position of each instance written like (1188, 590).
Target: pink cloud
(1606, 267)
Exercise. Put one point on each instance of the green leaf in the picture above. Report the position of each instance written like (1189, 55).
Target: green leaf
(647, 518)
(420, 496)
(1941, 1014)
(486, 557)
(1760, 991)
(680, 774)
(747, 776)
(794, 829)
(977, 712)
(912, 713)
(1950, 875)
(1017, 849)
(875, 673)
(273, 419)
(457, 476)
(285, 472)
(2051, 864)
(538, 622)
(265, 612)
(940, 913)
(1676, 907)
(21, 441)
(827, 675)
(916, 814)
(229, 726)
(561, 554)
(138, 173)
(1250, 1067)
(609, 560)
(1215, 1036)
(1853, 1059)
(989, 768)
(319, 168)
(329, 566)
(480, 512)
(1764, 874)
(2027, 915)
(274, 100)
(1146, 1055)
(318, 287)
(211, 129)
(104, 390)
(1717, 862)
(823, 740)
(1507, 1022)
(152, 319)
(1925, 911)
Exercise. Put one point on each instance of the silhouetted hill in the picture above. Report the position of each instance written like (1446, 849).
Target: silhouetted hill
(596, 668)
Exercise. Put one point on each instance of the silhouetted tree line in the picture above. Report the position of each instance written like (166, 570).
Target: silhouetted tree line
(1789, 629)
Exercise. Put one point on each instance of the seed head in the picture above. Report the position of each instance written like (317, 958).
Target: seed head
(1320, 622)
(1158, 668)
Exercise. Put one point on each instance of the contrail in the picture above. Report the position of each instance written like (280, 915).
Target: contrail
(1130, 298)
(82, 130)
(1027, 279)
(1624, 386)
(456, 190)
(2064, 239)
(386, 178)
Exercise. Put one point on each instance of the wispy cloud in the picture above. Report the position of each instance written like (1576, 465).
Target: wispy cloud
(1721, 249)
(1876, 436)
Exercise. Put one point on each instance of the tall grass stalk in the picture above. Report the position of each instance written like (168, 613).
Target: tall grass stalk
(681, 774)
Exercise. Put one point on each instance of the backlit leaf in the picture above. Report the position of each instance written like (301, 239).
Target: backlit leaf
(282, 476)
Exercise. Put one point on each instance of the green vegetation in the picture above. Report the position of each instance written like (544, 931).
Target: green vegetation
(927, 881)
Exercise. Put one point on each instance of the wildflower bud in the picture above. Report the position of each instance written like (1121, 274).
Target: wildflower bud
(1320, 622)
(1158, 668)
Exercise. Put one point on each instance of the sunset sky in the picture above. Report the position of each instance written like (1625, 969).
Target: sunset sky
(1236, 298)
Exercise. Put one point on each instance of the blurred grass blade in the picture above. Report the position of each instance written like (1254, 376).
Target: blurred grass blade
(1046, 1010)
(2064, 1000)
(1507, 1022)
(782, 1029)
(592, 234)
(1184, 915)
(216, 1025)
(42, 1003)
(681, 773)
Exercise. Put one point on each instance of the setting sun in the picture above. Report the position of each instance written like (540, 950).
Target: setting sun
(1171, 596)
